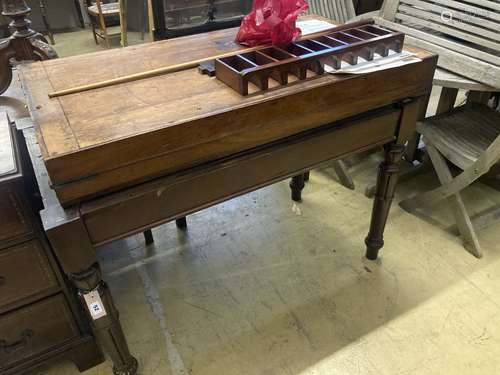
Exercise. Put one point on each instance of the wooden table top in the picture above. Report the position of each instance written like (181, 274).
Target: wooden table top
(107, 138)
(88, 119)
(85, 120)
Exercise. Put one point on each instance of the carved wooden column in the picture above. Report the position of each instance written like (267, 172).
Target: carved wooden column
(107, 328)
(388, 174)
(386, 184)
(24, 44)
(74, 250)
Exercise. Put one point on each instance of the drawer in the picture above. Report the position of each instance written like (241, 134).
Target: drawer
(35, 329)
(14, 221)
(25, 272)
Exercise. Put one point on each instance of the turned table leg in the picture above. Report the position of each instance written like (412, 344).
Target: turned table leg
(181, 223)
(107, 328)
(148, 237)
(297, 184)
(76, 254)
(386, 184)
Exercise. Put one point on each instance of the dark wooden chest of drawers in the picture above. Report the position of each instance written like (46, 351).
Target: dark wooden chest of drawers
(40, 320)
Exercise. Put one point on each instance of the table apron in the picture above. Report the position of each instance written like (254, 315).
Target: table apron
(177, 195)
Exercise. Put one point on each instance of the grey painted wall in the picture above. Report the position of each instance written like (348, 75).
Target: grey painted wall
(61, 14)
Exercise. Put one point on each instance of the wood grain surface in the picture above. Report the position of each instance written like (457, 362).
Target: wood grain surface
(99, 141)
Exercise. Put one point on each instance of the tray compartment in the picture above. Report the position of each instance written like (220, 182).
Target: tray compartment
(347, 38)
(281, 71)
(261, 59)
(299, 70)
(228, 70)
(332, 42)
(297, 49)
(258, 58)
(361, 34)
(375, 30)
(313, 45)
(276, 53)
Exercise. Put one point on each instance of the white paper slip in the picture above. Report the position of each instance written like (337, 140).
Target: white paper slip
(313, 26)
(378, 63)
(94, 304)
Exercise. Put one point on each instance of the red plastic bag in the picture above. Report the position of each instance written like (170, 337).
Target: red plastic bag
(271, 21)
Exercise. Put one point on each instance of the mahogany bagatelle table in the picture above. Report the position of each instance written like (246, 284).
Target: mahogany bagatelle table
(118, 160)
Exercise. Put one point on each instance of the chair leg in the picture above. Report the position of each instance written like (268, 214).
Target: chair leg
(105, 35)
(297, 184)
(447, 100)
(102, 24)
(148, 237)
(181, 223)
(462, 218)
(45, 20)
(412, 151)
(306, 176)
(142, 17)
(343, 174)
(465, 227)
(123, 22)
(94, 33)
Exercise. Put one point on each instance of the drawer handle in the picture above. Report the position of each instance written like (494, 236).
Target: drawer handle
(25, 339)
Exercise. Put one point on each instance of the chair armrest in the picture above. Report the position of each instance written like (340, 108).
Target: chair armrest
(365, 16)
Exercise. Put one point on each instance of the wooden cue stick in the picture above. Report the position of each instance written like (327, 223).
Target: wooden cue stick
(184, 66)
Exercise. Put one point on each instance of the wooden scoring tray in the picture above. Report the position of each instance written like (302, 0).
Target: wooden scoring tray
(347, 43)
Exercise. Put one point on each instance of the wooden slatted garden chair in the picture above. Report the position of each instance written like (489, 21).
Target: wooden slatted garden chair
(469, 137)
(465, 33)
(337, 10)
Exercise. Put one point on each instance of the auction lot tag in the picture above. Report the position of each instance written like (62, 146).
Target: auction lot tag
(94, 304)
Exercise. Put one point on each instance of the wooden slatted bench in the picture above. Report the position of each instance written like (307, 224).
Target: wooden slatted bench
(465, 33)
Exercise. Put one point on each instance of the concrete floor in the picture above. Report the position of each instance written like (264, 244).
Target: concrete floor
(260, 285)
